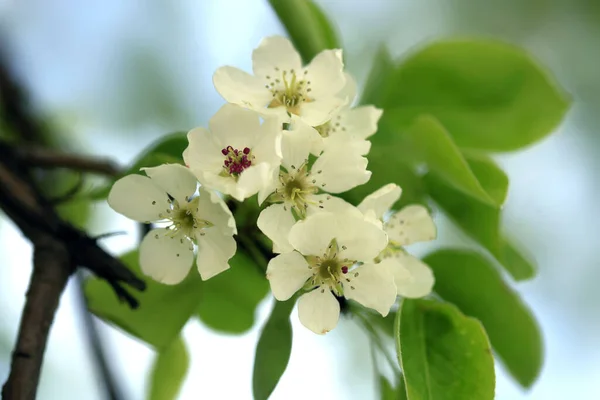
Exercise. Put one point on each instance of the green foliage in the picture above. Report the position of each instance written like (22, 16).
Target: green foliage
(229, 300)
(482, 223)
(166, 150)
(389, 392)
(491, 177)
(377, 85)
(273, 350)
(163, 311)
(443, 354)
(488, 95)
(309, 29)
(467, 280)
(168, 371)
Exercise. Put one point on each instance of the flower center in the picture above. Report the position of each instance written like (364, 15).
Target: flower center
(289, 91)
(329, 269)
(324, 129)
(184, 218)
(331, 127)
(236, 161)
(295, 190)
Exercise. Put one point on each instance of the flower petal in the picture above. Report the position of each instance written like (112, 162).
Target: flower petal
(213, 209)
(138, 198)
(410, 225)
(274, 51)
(214, 252)
(287, 273)
(165, 257)
(203, 154)
(330, 203)
(412, 276)
(320, 111)
(239, 87)
(267, 146)
(349, 90)
(372, 285)
(319, 310)
(235, 126)
(381, 200)
(175, 179)
(340, 171)
(252, 180)
(326, 74)
(295, 148)
(360, 122)
(275, 222)
(347, 143)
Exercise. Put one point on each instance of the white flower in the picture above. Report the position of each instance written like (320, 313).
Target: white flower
(349, 128)
(168, 194)
(303, 190)
(281, 86)
(237, 155)
(409, 225)
(327, 246)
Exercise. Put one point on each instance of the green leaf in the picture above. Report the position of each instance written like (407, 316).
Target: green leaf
(469, 281)
(482, 223)
(443, 354)
(377, 85)
(389, 392)
(309, 29)
(169, 371)
(167, 150)
(488, 94)
(431, 143)
(273, 350)
(163, 310)
(491, 177)
(229, 299)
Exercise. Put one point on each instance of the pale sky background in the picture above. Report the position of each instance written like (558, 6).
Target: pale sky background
(115, 75)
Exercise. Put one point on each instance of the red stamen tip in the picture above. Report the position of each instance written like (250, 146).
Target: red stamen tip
(344, 270)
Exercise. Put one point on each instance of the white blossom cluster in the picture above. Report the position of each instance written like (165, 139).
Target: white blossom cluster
(290, 135)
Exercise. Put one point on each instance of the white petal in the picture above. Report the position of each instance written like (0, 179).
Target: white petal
(165, 257)
(330, 203)
(372, 285)
(138, 198)
(362, 239)
(235, 126)
(412, 276)
(275, 222)
(287, 273)
(175, 179)
(319, 311)
(349, 90)
(410, 225)
(214, 252)
(273, 183)
(203, 154)
(213, 209)
(239, 87)
(381, 200)
(252, 180)
(326, 74)
(340, 171)
(267, 146)
(274, 51)
(345, 142)
(320, 110)
(223, 184)
(308, 134)
(360, 122)
(294, 148)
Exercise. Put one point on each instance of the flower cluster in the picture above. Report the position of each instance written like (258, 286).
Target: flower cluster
(290, 135)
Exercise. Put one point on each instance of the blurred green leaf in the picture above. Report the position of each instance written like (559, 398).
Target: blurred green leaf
(431, 143)
(467, 280)
(482, 223)
(377, 84)
(489, 95)
(229, 299)
(169, 370)
(308, 27)
(443, 354)
(168, 149)
(491, 177)
(273, 350)
(163, 310)
(389, 392)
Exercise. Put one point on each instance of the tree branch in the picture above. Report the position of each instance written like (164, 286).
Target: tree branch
(48, 158)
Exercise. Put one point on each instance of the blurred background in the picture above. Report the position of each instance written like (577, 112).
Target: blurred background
(113, 76)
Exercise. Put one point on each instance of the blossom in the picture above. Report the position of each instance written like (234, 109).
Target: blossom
(237, 154)
(282, 86)
(169, 193)
(349, 127)
(326, 249)
(301, 190)
(411, 224)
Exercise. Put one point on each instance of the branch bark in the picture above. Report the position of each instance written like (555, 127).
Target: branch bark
(48, 158)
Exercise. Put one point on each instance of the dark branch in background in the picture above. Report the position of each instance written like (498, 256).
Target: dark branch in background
(48, 158)
(59, 248)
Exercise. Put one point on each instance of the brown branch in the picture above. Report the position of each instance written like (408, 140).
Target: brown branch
(48, 158)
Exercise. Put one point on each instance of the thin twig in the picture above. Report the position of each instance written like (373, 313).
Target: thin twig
(49, 158)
